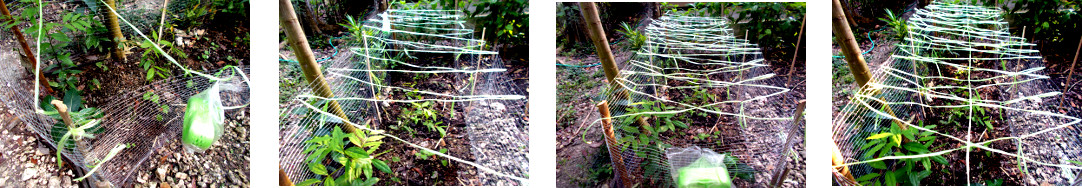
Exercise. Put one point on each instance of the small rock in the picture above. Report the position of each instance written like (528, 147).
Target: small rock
(29, 173)
(43, 151)
(182, 176)
(66, 182)
(54, 182)
(161, 172)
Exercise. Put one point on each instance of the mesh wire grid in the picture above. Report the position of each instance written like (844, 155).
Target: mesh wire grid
(128, 119)
(687, 57)
(402, 45)
(961, 59)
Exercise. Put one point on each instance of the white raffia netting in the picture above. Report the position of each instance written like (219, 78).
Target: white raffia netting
(714, 83)
(961, 59)
(404, 44)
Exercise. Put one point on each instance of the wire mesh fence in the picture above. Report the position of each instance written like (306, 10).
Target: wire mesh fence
(385, 73)
(694, 84)
(962, 101)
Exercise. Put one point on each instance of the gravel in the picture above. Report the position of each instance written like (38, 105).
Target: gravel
(223, 165)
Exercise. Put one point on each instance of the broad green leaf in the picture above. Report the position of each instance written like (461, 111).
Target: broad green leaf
(356, 152)
(317, 168)
(878, 165)
(880, 135)
(889, 179)
(382, 166)
(867, 177)
(915, 147)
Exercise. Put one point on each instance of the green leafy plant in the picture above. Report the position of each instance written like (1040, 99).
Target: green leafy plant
(506, 21)
(83, 119)
(1056, 21)
(898, 142)
(426, 155)
(423, 113)
(152, 60)
(770, 24)
(353, 156)
(156, 99)
(632, 37)
(898, 26)
(58, 45)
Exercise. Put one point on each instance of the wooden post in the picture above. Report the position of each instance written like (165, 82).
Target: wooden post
(1071, 72)
(111, 21)
(613, 146)
(283, 179)
(25, 47)
(797, 51)
(782, 171)
(849, 46)
(305, 58)
(63, 110)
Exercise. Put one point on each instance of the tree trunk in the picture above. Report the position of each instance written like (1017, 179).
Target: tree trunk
(113, 24)
(25, 47)
(299, 44)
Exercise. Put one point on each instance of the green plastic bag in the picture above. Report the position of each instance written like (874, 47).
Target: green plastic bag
(702, 176)
(203, 120)
(693, 167)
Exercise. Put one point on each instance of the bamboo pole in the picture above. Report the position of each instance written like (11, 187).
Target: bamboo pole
(299, 44)
(119, 51)
(63, 111)
(1071, 72)
(597, 33)
(612, 145)
(780, 173)
(25, 47)
(604, 52)
(849, 46)
(853, 58)
(283, 179)
(797, 51)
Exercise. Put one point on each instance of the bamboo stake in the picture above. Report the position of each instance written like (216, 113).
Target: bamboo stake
(25, 47)
(849, 46)
(1071, 72)
(283, 179)
(63, 110)
(597, 33)
(161, 23)
(797, 51)
(780, 173)
(853, 58)
(119, 51)
(610, 142)
(299, 44)
(604, 52)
